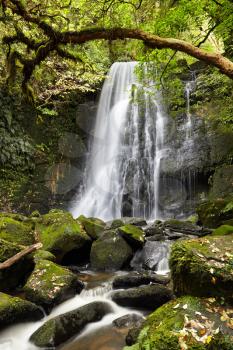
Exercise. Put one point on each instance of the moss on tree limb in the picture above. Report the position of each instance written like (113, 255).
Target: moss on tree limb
(56, 41)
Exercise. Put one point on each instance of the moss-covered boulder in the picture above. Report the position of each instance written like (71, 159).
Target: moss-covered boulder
(44, 255)
(144, 297)
(216, 212)
(16, 231)
(14, 310)
(63, 327)
(93, 226)
(50, 284)
(187, 323)
(110, 252)
(133, 235)
(15, 275)
(203, 267)
(60, 233)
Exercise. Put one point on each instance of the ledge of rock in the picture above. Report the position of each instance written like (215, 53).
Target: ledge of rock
(137, 279)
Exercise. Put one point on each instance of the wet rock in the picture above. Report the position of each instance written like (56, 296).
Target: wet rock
(50, 284)
(137, 279)
(140, 222)
(133, 235)
(190, 322)
(156, 237)
(60, 234)
(154, 229)
(14, 310)
(144, 297)
(92, 226)
(131, 320)
(222, 183)
(63, 327)
(110, 252)
(203, 267)
(114, 224)
(14, 275)
(175, 228)
(153, 256)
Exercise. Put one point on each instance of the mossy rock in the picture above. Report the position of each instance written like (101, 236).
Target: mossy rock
(222, 183)
(133, 235)
(214, 213)
(63, 327)
(50, 284)
(110, 252)
(92, 226)
(16, 231)
(13, 276)
(203, 267)
(60, 233)
(15, 310)
(115, 224)
(44, 255)
(223, 230)
(187, 323)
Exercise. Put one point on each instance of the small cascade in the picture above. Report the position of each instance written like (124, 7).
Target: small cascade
(124, 165)
(153, 256)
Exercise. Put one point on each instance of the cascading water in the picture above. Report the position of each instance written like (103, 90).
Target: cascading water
(124, 166)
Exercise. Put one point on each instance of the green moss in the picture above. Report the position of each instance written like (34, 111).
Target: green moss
(44, 255)
(164, 327)
(223, 230)
(213, 213)
(111, 252)
(203, 267)
(13, 309)
(60, 233)
(16, 231)
(132, 234)
(92, 226)
(49, 283)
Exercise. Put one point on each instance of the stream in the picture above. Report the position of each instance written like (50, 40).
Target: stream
(102, 335)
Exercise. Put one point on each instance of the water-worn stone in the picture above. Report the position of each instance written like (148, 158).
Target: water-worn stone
(93, 226)
(60, 233)
(203, 267)
(137, 279)
(14, 310)
(50, 284)
(144, 297)
(63, 327)
(140, 222)
(126, 321)
(14, 275)
(133, 235)
(110, 252)
(187, 323)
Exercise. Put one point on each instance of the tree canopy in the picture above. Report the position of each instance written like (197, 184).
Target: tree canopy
(83, 36)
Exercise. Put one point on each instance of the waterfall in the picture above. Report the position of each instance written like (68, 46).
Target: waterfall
(123, 169)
